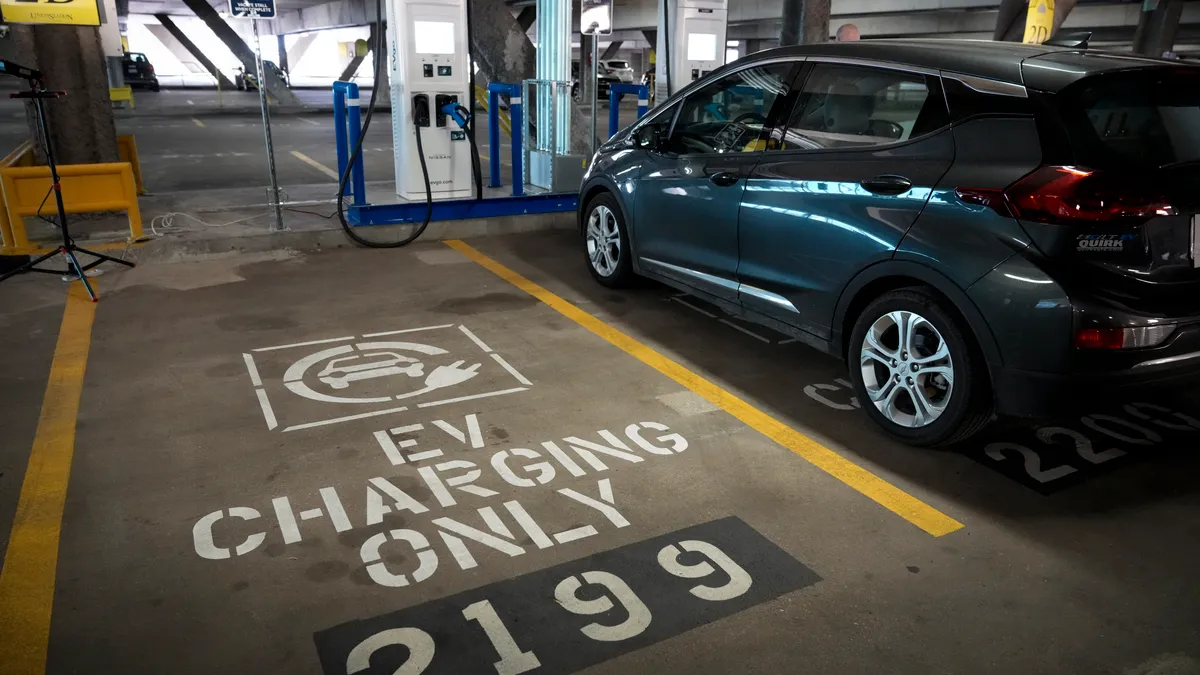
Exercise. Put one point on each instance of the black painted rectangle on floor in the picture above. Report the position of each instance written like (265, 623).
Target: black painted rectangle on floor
(577, 614)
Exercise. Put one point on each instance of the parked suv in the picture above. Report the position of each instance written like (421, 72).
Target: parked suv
(975, 227)
(138, 71)
(619, 69)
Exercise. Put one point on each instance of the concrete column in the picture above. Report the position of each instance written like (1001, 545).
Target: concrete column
(300, 47)
(356, 61)
(804, 22)
(177, 41)
(283, 55)
(72, 57)
(526, 18)
(611, 50)
(505, 54)
(1157, 27)
(271, 81)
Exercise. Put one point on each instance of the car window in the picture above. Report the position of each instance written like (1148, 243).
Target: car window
(1143, 119)
(729, 114)
(619, 65)
(843, 106)
(138, 58)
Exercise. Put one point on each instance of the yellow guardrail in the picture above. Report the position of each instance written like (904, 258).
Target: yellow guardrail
(481, 95)
(121, 94)
(86, 188)
(127, 150)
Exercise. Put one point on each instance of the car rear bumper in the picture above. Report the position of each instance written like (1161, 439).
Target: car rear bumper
(1023, 393)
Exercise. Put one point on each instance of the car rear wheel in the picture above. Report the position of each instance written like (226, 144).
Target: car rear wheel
(916, 371)
(606, 243)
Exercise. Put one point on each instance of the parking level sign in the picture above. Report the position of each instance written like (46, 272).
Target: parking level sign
(252, 9)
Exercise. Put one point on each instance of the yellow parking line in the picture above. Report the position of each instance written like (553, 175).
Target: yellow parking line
(884, 493)
(316, 165)
(198, 123)
(30, 562)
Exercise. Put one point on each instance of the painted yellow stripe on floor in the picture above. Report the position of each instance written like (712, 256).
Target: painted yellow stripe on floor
(315, 164)
(884, 493)
(27, 579)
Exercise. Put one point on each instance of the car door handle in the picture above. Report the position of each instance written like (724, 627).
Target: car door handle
(887, 184)
(724, 178)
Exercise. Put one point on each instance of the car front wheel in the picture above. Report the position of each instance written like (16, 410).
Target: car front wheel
(915, 371)
(606, 242)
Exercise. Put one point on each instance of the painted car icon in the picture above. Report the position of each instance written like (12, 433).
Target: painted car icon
(339, 373)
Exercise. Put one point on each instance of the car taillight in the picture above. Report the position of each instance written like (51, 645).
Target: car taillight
(1123, 338)
(1071, 195)
(150, 67)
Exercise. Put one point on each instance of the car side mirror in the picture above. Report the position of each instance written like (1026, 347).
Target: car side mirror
(649, 138)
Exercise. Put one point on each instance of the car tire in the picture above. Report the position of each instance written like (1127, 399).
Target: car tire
(606, 243)
(946, 397)
(154, 87)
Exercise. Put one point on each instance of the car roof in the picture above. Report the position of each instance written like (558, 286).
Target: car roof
(1046, 67)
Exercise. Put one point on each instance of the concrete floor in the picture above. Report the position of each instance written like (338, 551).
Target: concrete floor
(1087, 573)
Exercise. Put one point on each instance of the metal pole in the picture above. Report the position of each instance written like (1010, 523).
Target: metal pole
(273, 197)
(594, 92)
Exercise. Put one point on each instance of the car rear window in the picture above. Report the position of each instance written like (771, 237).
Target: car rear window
(621, 65)
(1142, 119)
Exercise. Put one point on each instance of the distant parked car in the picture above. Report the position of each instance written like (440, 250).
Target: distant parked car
(138, 71)
(603, 81)
(247, 81)
(619, 69)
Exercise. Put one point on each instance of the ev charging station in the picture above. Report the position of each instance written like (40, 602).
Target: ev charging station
(429, 68)
(691, 42)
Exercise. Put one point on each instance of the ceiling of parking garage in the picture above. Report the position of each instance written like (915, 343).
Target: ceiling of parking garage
(1111, 21)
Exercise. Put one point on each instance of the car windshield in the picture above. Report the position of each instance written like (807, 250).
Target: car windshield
(1146, 119)
(618, 65)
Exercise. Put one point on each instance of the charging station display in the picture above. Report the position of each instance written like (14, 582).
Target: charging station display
(691, 39)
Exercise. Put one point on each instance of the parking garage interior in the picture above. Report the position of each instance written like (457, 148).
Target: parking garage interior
(214, 468)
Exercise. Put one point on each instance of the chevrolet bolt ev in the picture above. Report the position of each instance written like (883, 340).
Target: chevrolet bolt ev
(976, 228)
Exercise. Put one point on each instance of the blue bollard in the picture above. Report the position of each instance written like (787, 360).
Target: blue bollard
(514, 113)
(494, 137)
(614, 97)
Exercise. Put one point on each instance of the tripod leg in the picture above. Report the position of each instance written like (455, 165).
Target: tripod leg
(102, 257)
(74, 263)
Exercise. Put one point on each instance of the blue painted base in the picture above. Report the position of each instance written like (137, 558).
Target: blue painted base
(461, 209)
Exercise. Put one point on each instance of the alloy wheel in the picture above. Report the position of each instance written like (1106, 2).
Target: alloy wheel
(907, 369)
(603, 241)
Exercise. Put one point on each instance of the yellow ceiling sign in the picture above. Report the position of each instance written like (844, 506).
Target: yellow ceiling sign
(1039, 22)
(69, 12)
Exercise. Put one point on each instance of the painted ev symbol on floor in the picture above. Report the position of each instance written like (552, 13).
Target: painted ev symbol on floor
(368, 372)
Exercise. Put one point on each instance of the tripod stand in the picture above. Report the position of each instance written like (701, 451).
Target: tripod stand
(68, 249)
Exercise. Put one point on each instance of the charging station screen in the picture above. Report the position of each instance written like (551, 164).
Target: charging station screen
(434, 37)
(702, 47)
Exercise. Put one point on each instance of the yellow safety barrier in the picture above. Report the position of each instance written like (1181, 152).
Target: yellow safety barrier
(86, 188)
(121, 94)
(127, 150)
(481, 95)
(22, 156)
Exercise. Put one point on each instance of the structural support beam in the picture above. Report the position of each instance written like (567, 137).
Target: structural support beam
(526, 18)
(611, 50)
(352, 67)
(804, 22)
(181, 41)
(300, 47)
(270, 80)
(1157, 27)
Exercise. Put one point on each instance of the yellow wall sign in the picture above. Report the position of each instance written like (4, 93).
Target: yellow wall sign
(69, 12)
(1039, 22)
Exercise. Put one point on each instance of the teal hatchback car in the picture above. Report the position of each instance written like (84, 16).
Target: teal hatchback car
(976, 228)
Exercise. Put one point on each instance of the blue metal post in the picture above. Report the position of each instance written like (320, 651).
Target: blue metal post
(494, 136)
(339, 127)
(614, 97)
(516, 116)
(357, 176)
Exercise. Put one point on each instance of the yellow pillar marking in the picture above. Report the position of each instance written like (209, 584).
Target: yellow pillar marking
(884, 493)
(198, 123)
(316, 165)
(31, 560)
